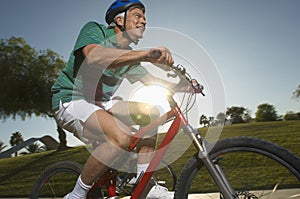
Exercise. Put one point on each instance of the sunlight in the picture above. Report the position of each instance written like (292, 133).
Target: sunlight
(154, 94)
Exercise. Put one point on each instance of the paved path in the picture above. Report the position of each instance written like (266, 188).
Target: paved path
(282, 194)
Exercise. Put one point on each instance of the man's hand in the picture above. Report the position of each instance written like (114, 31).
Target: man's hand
(161, 57)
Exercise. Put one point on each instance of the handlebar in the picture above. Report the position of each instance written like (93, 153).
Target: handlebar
(180, 70)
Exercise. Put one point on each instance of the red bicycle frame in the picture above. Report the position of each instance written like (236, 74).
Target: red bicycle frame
(163, 147)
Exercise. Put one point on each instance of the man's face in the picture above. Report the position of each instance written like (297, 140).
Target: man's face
(136, 23)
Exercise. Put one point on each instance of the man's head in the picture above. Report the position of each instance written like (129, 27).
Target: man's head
(128, 16)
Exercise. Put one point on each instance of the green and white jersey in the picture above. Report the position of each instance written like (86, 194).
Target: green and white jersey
(73, 84)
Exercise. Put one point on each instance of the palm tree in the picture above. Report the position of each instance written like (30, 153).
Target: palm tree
(2, 146)
(33, 148)
(16, 139)
(203, 120)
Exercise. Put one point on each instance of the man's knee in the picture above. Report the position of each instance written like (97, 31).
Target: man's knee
(122, 141)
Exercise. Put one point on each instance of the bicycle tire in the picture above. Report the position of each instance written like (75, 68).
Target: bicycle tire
(281, 171)
(54, 181)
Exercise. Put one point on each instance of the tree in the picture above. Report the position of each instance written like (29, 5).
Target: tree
(33, 148)
(265, 112)
(291, 116)
(296, 94)
(2, 146)
(203, 120)
(237, 114)
(15, 139)
(26, 79)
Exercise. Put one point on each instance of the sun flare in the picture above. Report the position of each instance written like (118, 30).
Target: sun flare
(154, 94)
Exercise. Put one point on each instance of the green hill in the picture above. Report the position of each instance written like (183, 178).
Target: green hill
(17, 175)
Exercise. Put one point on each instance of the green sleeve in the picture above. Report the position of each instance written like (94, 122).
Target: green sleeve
(91, 33)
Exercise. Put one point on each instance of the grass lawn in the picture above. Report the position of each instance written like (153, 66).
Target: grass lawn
(17, 175)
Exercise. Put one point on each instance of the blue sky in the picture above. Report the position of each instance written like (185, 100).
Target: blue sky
(255, 44)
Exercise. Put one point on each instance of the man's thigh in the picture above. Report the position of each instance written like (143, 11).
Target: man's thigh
(135, 113)
(102, 126)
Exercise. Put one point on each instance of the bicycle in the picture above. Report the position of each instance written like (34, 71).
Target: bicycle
(273, 167)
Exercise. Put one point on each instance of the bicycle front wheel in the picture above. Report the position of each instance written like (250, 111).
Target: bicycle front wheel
(57, 180)
(255, 168)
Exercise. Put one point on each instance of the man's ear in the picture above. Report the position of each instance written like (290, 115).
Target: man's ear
(119, 21)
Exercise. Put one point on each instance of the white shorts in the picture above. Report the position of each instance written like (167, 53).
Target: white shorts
(71, 116)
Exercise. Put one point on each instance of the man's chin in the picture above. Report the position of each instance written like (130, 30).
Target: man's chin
(136, 38)
(136, 35)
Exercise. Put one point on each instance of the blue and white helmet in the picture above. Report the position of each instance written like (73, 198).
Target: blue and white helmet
(120, 6)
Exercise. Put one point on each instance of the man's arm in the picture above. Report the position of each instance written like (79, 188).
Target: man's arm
(97, 55)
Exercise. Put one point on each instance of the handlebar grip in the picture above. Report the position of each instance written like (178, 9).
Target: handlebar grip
(155, 54)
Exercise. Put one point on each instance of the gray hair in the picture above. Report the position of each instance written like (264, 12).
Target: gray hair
(113, 24)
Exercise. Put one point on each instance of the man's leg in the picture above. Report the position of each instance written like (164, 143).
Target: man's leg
(145, 150)
(117, 136)
(136, 113)
(143, 114)
(101, 125)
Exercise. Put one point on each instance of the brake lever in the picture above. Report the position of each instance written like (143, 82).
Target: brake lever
(197, 87)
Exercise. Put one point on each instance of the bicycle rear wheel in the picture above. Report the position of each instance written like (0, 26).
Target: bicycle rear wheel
(255, 168)
(57, 180)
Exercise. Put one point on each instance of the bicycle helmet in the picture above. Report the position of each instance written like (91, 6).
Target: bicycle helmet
(120, 6)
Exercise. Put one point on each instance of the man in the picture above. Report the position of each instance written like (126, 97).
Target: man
(84, 104)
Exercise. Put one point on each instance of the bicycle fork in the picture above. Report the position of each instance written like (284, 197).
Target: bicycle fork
(212, 166)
